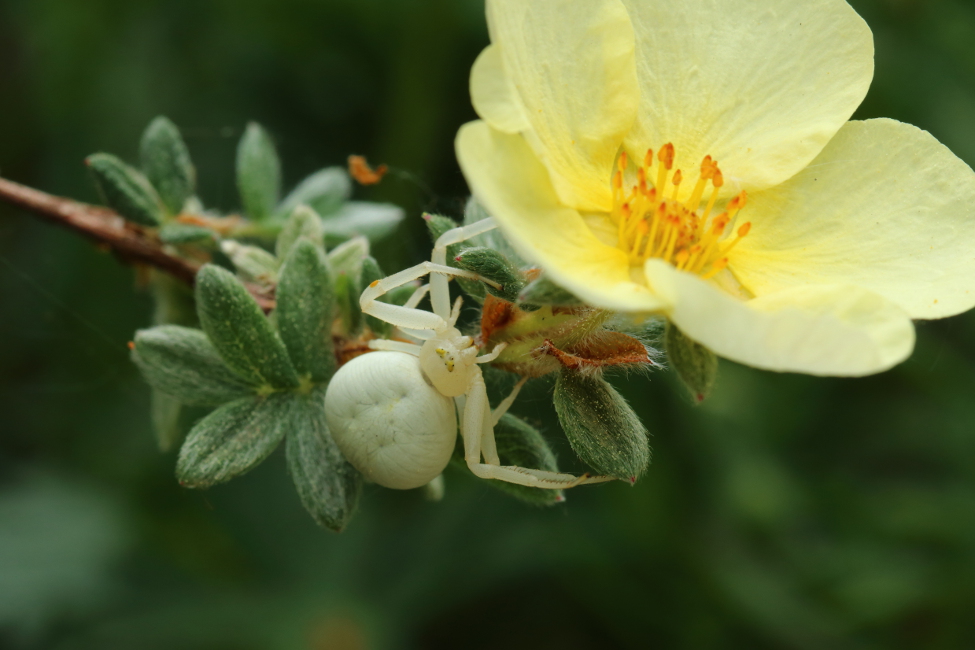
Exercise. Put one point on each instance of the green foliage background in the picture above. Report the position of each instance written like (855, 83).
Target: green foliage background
(787, 512)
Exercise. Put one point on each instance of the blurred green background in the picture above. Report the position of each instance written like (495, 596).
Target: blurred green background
(787, 512)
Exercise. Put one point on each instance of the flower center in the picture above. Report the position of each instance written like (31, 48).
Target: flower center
(653, 222)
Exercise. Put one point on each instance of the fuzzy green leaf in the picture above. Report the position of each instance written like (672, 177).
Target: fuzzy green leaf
(304, 311)
(182, 363)
(125, 190)
(239, 330)
(324, 191)
(347, 258)
(258, 173)
(370, 273)
(253, 264)
(696, 366)
(601, 427)
(521, 444)
(374, 221)
(303, 223)
(328, 485)
(167, 164)
(234, 439)
(493, 266)
(185, 233)
(438, 225)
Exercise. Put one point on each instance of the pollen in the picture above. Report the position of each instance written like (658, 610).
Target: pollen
(657, 217)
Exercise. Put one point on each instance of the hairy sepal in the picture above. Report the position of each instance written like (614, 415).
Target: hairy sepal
(493, 266)
(601, 427)
(695, 365)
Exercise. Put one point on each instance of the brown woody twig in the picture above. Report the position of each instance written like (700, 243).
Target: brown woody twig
(129, 242)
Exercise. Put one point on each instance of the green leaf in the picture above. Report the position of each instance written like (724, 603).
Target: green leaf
(373, 221)
(182, 363)
(253, 264)
(348, 258)
(328, 485)
(370, 273)
(304, 311)
(303, 222)
(258, 173)
(185, 233)
(324, 191)
(601, 427)
(167, 164)
(234, 439)
(437, 226)
(125, 190)
(521, 444)
(166, 411)
(696, 366)
(239, 331)
(544, 292)
(347, 292)
(493, 266)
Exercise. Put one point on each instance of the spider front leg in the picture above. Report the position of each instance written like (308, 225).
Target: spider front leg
(439, 291)
(478, 432)
(408, 317)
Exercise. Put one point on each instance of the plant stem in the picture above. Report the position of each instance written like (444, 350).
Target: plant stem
(131, 243)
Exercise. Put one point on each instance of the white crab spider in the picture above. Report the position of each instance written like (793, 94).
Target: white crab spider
(391, 412)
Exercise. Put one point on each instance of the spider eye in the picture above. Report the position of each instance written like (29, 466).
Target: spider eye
(448, 359)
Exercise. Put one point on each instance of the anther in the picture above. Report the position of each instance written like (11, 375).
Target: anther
(716, 268)
(624, 161)
(666, 156)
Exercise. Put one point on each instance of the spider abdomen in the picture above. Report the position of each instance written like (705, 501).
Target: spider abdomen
(389, 422)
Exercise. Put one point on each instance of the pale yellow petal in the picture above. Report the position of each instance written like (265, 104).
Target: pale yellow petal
(494, 97)
(885, 207)
(816, 329)
(761, 86)
(571, 63)
(512, 184)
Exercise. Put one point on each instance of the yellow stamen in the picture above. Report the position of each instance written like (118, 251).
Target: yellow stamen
(716, 268)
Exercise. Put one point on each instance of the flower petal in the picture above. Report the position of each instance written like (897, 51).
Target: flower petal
(816, 329)
(508, 179)
(760, 86)
(885, 207)
(572, 65)
(494, 97)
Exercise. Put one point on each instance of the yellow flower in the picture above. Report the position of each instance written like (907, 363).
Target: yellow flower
(695, 159)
